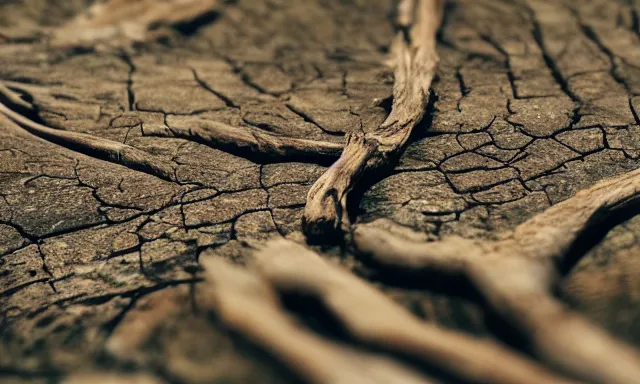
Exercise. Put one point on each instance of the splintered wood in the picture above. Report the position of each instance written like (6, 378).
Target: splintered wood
(414, 59)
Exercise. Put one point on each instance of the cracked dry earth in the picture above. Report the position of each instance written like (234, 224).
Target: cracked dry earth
(151, 266)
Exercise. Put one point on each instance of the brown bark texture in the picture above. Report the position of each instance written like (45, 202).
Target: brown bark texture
(319, 191)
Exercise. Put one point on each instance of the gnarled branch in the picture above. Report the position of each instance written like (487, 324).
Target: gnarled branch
(247, 304)
(414, 58)
(371, 317)
(516, 275)
(246, 139)
(106, 149)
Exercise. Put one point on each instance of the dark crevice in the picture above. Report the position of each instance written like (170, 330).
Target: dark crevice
(613, 68)
(635, 21)
(480, 188)
(507, 63)
(219, 95)
(191, 27)
(634, 112)
(412, 280)
(230, 221)
(247, 80)
(464, 89)
(308, 119)
(594, 234)
(23, 232)
(549, 61)
(132, 69)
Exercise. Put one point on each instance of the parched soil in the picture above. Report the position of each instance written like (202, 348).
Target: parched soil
(155, 163)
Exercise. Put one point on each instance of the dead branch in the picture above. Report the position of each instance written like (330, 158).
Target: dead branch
(247, 139)
(516, 275)
(372, 318)
(248, 305)
(141, 322)
(109, 150)
(414, 58)
(111, 378)
(14, 98)
(119, 23)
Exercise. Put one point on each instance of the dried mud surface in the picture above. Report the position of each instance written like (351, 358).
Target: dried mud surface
(100, 263)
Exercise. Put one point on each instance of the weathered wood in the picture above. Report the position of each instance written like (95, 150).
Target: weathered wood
(372, 318)
(414, 59)
(517, 275)
(215, 127)
(238, 296)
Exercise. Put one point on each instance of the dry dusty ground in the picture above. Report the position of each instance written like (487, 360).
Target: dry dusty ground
(101, 260)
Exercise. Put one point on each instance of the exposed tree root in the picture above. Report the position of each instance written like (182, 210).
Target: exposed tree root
(414, 58)
(111, 378)
(109, 150)
(516, 275)
(247, 304)
(118, 23)
(371, 317)
(252, 140)
(14, 98)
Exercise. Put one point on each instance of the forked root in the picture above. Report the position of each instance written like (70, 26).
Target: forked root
(372, 318)
(13, 98)
(248, 305)
(105, 149)
(415, 59)
(516, 275)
